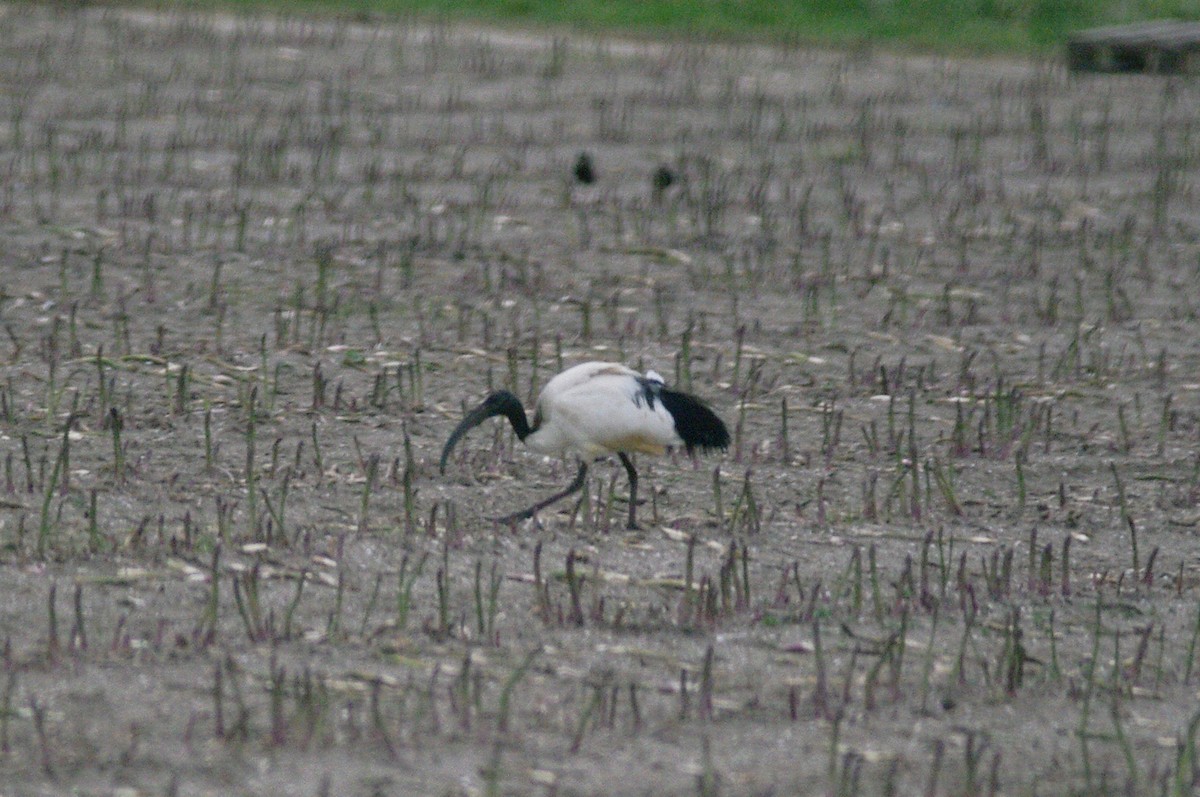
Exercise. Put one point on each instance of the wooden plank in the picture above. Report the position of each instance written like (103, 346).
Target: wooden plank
(1139, 32)
(1156, 47)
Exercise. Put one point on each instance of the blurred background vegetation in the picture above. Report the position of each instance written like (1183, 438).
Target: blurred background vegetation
(948, 26)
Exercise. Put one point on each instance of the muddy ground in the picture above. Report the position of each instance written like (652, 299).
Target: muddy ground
(253, 271)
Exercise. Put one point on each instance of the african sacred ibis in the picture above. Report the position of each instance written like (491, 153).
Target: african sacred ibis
(598, 408)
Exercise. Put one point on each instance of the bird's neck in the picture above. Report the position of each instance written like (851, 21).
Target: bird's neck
(516, 416)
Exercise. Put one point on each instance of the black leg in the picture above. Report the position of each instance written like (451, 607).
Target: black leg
(628, 463)
(573, 487)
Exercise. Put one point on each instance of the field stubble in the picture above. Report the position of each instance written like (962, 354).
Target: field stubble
(253, 270)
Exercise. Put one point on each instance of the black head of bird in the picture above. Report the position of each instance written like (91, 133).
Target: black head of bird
(597, 409)
(499, 403)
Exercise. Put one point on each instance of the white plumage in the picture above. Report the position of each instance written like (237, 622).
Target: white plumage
(597, 408)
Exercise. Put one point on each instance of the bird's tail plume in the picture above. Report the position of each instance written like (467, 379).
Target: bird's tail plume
(695, 423)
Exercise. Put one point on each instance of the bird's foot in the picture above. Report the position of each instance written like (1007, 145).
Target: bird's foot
(632, 524)
(514, 518)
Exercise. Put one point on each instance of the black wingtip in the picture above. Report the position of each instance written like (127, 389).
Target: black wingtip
(697, 425)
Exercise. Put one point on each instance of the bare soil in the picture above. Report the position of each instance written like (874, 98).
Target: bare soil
(254, 269)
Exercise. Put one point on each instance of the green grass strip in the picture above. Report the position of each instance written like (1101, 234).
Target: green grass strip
(950, 26)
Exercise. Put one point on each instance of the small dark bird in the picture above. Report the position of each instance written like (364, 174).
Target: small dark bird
(662, 179)
(585, 172)
(595, 409)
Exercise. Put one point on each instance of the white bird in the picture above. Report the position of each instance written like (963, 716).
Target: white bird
(597, 408)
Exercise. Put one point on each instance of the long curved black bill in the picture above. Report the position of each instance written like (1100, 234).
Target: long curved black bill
(475, 417)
